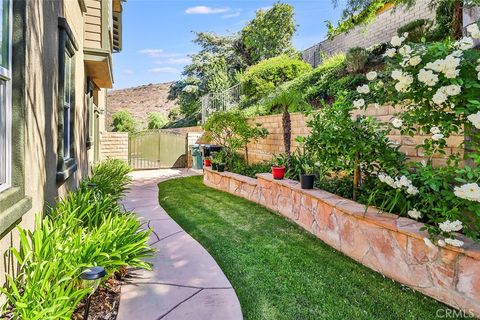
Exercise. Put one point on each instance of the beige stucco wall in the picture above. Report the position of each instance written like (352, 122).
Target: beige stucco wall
(41, 86)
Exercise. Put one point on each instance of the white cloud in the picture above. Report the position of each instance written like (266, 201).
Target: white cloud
(231, 15)
(163, 70)
(205, 10)
(128, 71)
(154, 53)
(179, 60)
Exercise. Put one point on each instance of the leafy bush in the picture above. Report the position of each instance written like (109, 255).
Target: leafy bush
(109, 177)
(156, 120)
(356, 59)
(232, 130)
(262, 78)
(416, 30)
(85, 229)
(122, 121)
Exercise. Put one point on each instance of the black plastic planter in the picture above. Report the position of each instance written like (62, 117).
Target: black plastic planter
(306, 181)
(214, 166)
(221, 167)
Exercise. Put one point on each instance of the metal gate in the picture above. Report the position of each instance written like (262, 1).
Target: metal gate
(157, 149)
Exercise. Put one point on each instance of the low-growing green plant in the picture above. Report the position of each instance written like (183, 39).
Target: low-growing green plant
(109, 177)
(87, 228)
(156, 120)
(416, 30)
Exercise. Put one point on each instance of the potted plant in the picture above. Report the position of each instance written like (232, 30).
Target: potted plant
(207, 162)
(278, 170)
(307, 177)
(221, 167)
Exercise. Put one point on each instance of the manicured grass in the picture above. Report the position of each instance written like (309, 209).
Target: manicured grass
(280, 271)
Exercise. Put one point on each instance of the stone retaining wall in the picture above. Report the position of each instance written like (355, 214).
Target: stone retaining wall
(386, 243)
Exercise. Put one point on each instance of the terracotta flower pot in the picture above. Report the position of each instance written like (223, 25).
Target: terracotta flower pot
(306, 181)
(278, 172)
(207, 162)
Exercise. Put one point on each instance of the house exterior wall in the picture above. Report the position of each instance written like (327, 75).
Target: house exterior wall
(37, 142)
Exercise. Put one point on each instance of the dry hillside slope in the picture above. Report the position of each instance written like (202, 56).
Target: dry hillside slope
(140, 101)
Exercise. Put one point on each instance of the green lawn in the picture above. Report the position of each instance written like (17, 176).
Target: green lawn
(280, 271)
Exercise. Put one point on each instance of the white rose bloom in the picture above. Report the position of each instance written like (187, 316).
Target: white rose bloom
(405, 50)
(437, 65)
(389, 180)
(415, 214)
(358, 103)
(454, 242)
(465, 43)
(435, 130)
(450, 226)
(439, 97)
(475, 119)
(477, 68)
(474, 31)
(451, 73)
(452, 90)
(391, 53)
(397, 74)
(372, 75)
(414, 61)
(363, 89)
(457, 53)
(427, 77)
(469, 191)
(381, 177)
(478, 76)
(412, 190)
(441, 243)
(397, 41)
(437, 136)
(397, 123)
(428, 243)
(405, 35)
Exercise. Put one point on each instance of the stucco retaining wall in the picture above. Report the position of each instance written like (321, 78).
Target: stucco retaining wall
(386, 243)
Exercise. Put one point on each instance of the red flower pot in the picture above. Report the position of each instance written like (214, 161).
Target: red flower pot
(207, 162)
(278, 172)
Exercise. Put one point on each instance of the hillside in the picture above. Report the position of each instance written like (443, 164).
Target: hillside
(140, 101)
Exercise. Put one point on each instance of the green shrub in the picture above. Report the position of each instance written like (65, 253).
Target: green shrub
(232, 130)
(87, 228)
(109, 177)
(262, 78)
(356, 59)
(156, 120)
(122, 121)
(416, 29)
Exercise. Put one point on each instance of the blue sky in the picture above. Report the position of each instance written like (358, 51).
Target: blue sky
(157, 34)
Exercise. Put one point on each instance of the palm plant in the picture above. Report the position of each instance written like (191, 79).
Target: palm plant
(286, 100)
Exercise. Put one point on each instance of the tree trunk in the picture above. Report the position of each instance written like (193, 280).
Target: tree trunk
(457, 20)
(287, 133)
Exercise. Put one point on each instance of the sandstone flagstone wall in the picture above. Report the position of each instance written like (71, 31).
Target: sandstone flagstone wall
(386, 243)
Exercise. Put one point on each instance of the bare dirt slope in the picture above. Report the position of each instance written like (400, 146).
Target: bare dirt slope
(140, 101)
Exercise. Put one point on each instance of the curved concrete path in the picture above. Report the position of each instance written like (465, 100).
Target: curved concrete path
(186, 282)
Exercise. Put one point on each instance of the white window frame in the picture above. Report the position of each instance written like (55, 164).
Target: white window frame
(6, 77)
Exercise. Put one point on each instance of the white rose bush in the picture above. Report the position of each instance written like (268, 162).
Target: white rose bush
(438, 86)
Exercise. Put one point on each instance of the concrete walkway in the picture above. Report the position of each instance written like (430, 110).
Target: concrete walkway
(186, 282)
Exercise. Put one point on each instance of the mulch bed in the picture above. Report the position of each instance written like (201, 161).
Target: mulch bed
(103, 303)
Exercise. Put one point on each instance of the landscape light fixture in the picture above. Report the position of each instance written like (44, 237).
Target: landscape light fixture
(91, 278)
